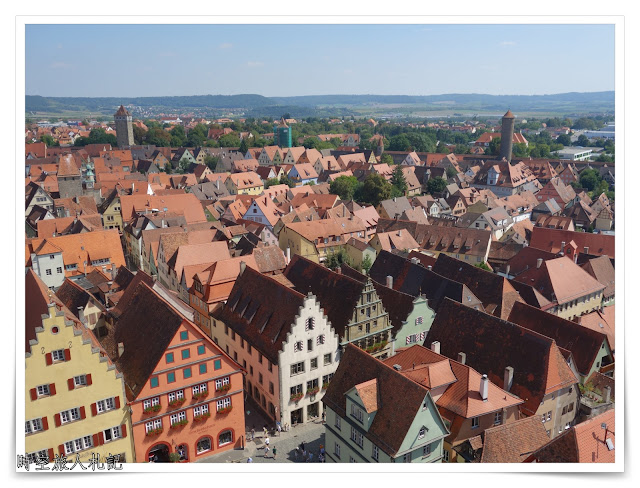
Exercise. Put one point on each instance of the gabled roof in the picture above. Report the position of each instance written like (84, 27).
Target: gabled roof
(601, 321)
(496, 293)
(583, 343)
(74, 297)
(492, 344)
(513, 442)
(583, 443)
(551, 240)
(338, 294)
(603, 271)
(398, 398)
(261, 310)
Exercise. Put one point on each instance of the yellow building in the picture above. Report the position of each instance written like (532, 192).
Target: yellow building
(75, 402)
(111, 214)
(247, 183)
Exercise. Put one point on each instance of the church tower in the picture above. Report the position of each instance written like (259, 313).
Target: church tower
(506, 138)
(124, 127)
(380, 147)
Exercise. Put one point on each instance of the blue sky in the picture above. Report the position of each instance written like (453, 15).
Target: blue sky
(289, 60)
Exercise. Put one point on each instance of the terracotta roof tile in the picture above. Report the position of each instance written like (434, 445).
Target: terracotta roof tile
(513, 442)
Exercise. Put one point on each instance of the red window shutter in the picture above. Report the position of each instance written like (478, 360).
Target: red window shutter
(48, 359)
(117, 402)
(67, 354)
(83, 415)
(71, 384)
(61, 449)
(89, 380)
(95, 440)
(123, 429)
(50, 454)
(52, 389)
(45, 423)
(34, 393)
(56, 419)
(94, 409)
(100, 438)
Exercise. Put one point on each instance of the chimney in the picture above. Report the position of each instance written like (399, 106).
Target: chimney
(607, 394)
(389, 281)
(462, 358)
(435, 347)
(81, 316)
(120, 349)
(114, 271)
(429, 267)
(218, 184)
(339, 270)
(484, 388)
(288, 255)
(414, 260)
(400, 233)
(508, 378)
(539, 263)
(508, 269)
(562, 246)
(133, 187)
(394, 199)
(243, 266)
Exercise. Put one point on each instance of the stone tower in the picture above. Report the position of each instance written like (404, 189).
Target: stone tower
(124, 127)
(506, 139)
(282, 134)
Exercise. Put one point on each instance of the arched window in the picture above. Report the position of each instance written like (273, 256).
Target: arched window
(203, 445)
(225, 437)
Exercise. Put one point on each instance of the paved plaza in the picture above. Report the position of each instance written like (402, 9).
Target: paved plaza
(312, 433)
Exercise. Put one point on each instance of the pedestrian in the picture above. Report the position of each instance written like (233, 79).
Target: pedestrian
(279, 428)
(302, 445)
(304, 455)
(320, 458)
(274, 453)
(264, 431)
(250, 460)
(266, 442)
(321, 449)
(310, 457)
(253, 433)
(266, 451)
(296, 453)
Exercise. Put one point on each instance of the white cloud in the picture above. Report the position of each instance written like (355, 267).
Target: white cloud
(255, 64)
(508, 43)
(225, 45)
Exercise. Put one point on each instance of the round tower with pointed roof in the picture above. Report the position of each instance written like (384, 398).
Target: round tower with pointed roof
(506, 138)
(124, 127)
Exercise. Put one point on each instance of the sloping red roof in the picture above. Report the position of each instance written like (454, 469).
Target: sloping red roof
(551, 240)
(513, 442)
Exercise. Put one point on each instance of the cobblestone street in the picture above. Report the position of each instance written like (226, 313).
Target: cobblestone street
(312, 433)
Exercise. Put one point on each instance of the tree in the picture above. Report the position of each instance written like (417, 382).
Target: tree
(271, 182)
(520, 150)
(399, 143)
(344, 186)
(97, 136)
(494, 146)
(398, 180)
(375, 189)
(285, 180)
(564, 139)
(229, 140)
(442, 149)
(583, 140)
(589, 179)
(178, 137)
(483, 265)
(436, 185)
(337, 258)
(197, 136)
(244, 146)
(386, 158)
(211, 162)
(139, 134)
(451, 172)
(366, 264)
(48, 140)
(158, 137)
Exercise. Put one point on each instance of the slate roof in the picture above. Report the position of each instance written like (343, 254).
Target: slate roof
(399, 398)
(73, 296)
(583, 343)
(338, 294)
(414, 279)
(495, 292)
(261, 310)
(513, 442)
(492, 344)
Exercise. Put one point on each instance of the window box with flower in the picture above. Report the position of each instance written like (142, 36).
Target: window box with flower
(202, 417)
(153, 432)
(154, 408)
(225, 409)
(223, 388)
(202, 394)
(325, 386)
(179, 423)
(177, 402)
(313, 391)
(296, 397)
